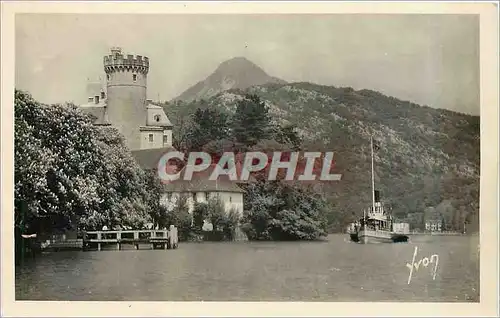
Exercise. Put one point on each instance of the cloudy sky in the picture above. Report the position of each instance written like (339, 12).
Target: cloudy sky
(427, 59)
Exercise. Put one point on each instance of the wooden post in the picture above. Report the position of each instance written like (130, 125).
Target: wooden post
(99, 237)
(136, 239)
(176, 239)
(171, 237)
(118, 239)
(152, 234)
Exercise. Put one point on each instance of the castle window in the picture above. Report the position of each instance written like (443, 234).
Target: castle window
(134, 77)
(150, 137)
(230, 199)
(157, 118)
(108, 77)
(103, 95)
(165, 139)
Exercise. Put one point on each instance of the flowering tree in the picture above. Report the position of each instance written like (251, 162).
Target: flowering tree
(70, 173)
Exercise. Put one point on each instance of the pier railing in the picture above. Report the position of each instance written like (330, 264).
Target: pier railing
(165, 239)
(113, 236)
(59, 244)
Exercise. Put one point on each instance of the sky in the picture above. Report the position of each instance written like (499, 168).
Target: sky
(427, 59)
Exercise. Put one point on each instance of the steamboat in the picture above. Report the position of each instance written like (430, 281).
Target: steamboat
(377, 224)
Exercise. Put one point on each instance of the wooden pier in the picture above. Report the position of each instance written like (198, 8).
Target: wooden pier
(156, 239)
(63, 245)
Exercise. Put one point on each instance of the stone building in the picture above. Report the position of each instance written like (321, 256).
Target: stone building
(200, 188)
(433, 225)
(122, 103)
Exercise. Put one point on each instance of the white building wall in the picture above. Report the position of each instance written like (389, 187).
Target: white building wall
(230, 200)
(167, 141)
(157, 139)
(403, 228)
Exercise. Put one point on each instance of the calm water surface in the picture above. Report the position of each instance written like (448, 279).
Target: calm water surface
(335, 270)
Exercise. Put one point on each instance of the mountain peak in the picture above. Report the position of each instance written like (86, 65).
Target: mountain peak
(238, 61)
(235, 73)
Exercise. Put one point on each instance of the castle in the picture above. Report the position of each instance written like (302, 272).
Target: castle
(122, 103)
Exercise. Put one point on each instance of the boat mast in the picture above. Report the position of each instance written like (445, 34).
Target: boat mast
(373, 177)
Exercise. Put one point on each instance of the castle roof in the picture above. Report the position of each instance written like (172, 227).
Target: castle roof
(200, 182)
(156, 116)
(98, 111)
(149, 158)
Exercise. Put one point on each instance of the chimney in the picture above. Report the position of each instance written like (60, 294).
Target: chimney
(90, 99)
(103, 95)
(96, 99)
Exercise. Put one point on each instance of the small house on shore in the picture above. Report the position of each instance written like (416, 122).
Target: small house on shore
(200, 188)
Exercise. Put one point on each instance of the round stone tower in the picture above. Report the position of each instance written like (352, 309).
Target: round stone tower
(126, 83)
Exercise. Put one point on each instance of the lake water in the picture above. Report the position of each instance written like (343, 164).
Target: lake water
(335, 270)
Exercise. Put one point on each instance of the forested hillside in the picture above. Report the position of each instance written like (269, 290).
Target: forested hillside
(427, 165)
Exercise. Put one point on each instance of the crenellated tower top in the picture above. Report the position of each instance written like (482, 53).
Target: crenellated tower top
(118, 62)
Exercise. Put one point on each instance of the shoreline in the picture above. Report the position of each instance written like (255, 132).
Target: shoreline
(443, 234)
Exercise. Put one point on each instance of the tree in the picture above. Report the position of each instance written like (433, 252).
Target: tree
(55, 160)
(70, 173)
(277, 210)
(215, 213)
(200, 214)
(288, 135)
(217, 147)
(124, 187)
(180, 217)
(153, 196)
(181, 132)
(251, 121)
(269, 146)
(207, 124)
(229, 224)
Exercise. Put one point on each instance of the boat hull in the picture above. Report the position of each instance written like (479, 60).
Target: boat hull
(400, 238)
(373, 237)
(369, 236)
(354, 237)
